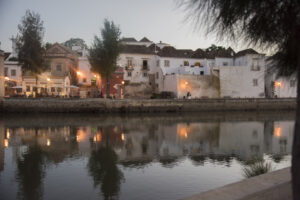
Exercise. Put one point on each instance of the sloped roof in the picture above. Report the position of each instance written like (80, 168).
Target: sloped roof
(245, 52)
(199, 53)
(56, 46)
(221, 53)
(137, 49)
(170, 51)
(144, 39)
(129, 39)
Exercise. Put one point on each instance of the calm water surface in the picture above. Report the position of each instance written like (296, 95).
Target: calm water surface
(135, 157)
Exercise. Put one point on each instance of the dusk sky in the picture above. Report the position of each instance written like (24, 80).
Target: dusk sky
(158, 20)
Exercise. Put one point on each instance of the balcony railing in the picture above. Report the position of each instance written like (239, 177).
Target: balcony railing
(129, 68)
(145, 67)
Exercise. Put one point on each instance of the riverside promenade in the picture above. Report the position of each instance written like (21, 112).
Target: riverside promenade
(48, 105)
(271, 186)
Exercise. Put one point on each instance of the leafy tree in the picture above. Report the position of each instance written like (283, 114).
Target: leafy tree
(75, 42)
(105, 51)
(47, 45)
(269, 24)
(29, 44)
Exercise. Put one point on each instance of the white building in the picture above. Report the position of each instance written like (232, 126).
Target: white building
(279, 86)
(245, 78)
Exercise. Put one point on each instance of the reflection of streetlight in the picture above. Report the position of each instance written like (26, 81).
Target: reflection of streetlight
(7, 134)
(48, 142)
(6, 142)
(277, 132)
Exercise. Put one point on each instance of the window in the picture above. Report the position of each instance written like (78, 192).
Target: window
(13, 72)
(34, 89)
(197, 64)
(145, 64)
(27, 88)
(59, 89)
(52, 89)
(292, 83)
(157, 75)
(129, 62)
(255, 66)
(84, 80)
(128, 73)
(185, 63)
(201, 72)
(5, 71)
(58, 67)
(255, 82)
(145, 74)
(225, 63)
(167, 63)
(157, 63)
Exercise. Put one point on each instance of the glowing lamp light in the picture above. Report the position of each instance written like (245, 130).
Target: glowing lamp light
(48, 142)
(278, 132)
(186, 83)
(79, 73)
(6, 78)
(122, 137)
(6, 142)
(48, 79)
(7, 134)
(278, 84)
(123, 82)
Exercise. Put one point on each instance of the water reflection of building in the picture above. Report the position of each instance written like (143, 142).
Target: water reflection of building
(2, 143)
(139, 144)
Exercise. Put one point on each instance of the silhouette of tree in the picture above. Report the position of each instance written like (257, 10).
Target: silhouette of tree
(270, 24)
(105, 51)
(29, 44)
(103, 168)
(30, 173)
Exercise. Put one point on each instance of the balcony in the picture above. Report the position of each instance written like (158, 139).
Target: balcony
(145, 67)
(129, 68)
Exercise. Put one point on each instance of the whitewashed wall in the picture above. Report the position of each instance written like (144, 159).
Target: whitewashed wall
(84, 68)
(13, 65)
(238, 81)
(137, 74)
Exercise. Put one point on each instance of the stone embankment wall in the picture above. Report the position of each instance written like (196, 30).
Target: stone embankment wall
(275, 185)
(146, 105)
